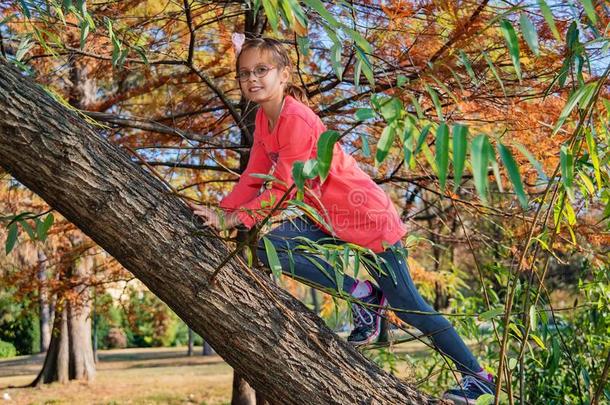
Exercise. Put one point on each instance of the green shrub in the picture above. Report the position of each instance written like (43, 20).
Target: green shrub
(7, 349)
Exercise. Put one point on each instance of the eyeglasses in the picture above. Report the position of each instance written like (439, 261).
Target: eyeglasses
(259, 71)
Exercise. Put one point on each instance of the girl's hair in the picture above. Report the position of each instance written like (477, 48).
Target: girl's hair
(280, 57)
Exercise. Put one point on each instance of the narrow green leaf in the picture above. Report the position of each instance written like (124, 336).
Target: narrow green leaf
(533, 318)
(548, 17)
(567, 167)
(422, 138)
(385, 143)
(479, 160)
(25, 8)
(466, 63)
(442, 153)
(436, 101)
(542, 175)
(492, 313)
(513, 44)
(494, 71)
(460, 146)
(513, 173)
(594, 157)
(584, 93)
(418, 109)
(274, 261)
(529, 33)
(336, 62)
(297, 174)
(28, 229)
(11, 238)
(318, 6)
(590, 10)
(326, 144)
(272, 13)
(366, 150)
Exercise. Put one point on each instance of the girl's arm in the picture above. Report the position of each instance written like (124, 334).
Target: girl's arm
(297, 140)
(247, 187)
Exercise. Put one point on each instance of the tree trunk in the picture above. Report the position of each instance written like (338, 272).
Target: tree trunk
(43, 303)
(243, 393)
(189, 350)
(284, 350)
(70, 353)
(207, 349)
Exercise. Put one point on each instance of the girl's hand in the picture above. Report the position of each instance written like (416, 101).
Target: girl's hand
(209, 215)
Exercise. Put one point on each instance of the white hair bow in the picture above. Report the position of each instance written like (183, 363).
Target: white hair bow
(238, 40)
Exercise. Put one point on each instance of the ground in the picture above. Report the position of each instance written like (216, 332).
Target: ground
(139, 376)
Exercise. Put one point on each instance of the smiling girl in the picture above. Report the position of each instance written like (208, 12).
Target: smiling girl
(356, 208)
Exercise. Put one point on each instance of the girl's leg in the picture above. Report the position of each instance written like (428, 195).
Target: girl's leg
(283, 239)
(404, 295)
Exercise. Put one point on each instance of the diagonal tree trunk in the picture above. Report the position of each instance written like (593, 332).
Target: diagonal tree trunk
(284, 350)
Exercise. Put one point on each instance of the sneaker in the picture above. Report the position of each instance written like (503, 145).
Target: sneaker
(469, 390)
(368, 321)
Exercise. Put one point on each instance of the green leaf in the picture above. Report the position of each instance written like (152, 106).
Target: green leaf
(11, 238)
(485, 399)
(529, 33)
(363, 114)
(422, 138)
(335, 58)
(272, 13)
(533, 318)
(466, 62)
(274, 262)
(460, 146)
(548, 17)
(25, 8)
(391, 109)
(584, 93)
(480, 159)
(367, 68)
(532, 160)
(513, 44)
(418, 109)
(494, 71)
(442, 153)
(326, 144)
(318, 6)
(401, 80)
(436, 101)
(590, 10)
(26, 226)
(492, 313)
(366, 150)
(357, 72)
(567, 167)
(297, 174)
(594, 157)
(384, 144)
(513, 173)
(538, 341)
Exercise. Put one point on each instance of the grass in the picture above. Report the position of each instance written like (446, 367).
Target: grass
(128, 376)
(143, 376)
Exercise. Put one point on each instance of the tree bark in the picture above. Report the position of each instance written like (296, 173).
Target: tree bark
(43, 303)
(283, 349)
(190, 344)
(243, 393)
(70, 353)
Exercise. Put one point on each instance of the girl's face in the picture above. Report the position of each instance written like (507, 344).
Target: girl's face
(261, 89)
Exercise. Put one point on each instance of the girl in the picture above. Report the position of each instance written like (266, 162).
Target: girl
(357, 209)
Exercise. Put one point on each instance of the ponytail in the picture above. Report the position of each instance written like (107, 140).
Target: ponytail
(296, 92)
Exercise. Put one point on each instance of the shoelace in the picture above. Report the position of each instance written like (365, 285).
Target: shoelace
(363, 316)
(468, 381)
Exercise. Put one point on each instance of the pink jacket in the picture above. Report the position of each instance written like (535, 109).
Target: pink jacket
(357, 209)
